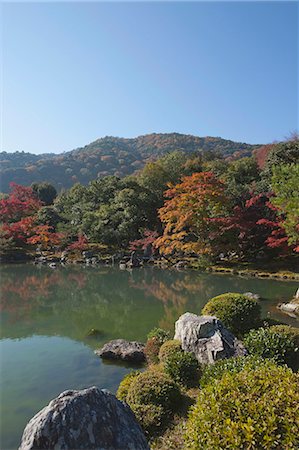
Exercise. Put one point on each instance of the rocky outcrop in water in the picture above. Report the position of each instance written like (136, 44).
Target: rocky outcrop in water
(87, 419)
(207, 338)
(291, 308)
(121, 349)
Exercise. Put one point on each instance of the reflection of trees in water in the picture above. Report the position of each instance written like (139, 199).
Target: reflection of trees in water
(71, 300)
(20, 294)
(175, 294)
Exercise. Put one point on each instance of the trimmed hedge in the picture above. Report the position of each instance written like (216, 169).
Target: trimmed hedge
(125, 384)
(287, 330)
(279, 342)
(169, 348)
(237, 312)
(215, 371)
(154, 397)
(251, 409)
(183, 368)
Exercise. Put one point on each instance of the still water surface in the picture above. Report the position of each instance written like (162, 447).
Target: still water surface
(46, 315)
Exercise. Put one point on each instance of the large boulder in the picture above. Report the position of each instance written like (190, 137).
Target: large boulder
(207, 338)
(121, 349)
(87, 419)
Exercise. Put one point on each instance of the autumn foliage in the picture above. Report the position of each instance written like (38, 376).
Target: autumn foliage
(188, 213)
(194, 203)
(20, 203)
(44, 237)
(147, 240)
(80, 244)
(18, 214)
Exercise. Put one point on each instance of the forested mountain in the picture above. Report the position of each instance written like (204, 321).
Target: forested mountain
(107, 156)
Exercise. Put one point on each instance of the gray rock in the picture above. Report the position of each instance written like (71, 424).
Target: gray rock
(122, 349)
(87, 254)
(87, 419)
(252, 296)
(207, 338)
(292, 309)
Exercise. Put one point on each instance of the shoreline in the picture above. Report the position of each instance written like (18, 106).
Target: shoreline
(282, 275)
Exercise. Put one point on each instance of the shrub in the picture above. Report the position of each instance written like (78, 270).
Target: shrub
(279, 342)
(250, 409)
(153, 397)
(238, 312)
(151, 350)
(183, 368)
(169, 348)
(125, 384)
(287, 330)
(215, 371)
(160, 334)
(151, 417)
(155, 339)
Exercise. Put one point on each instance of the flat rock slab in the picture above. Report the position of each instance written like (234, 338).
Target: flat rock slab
(124, 350)
(207, 338)
(88, 419)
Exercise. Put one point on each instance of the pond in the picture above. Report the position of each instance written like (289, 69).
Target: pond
(46, 315)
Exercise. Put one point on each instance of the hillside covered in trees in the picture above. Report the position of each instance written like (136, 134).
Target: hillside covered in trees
(181, 204)
(107, 156)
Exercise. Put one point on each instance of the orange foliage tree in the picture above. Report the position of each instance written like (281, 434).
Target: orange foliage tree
(44, 237)
(187, 214)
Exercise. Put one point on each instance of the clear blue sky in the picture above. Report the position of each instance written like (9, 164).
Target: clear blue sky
(74, 72)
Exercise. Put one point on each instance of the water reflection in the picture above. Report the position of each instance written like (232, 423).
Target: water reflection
(72, 300)
(46, 316)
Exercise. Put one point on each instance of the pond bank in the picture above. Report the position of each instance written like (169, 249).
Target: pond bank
(277, 270)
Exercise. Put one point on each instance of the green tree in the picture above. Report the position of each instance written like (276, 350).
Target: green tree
(72, 205)
(122, 217)
(282, 153)
(45, 192)
(240, 178)
(158, 174)
(48, 215)
(285, 185)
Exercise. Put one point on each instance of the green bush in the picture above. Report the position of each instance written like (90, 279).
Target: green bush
(151, 417)
(279, 342)
(287, 330)
(238, 312)
(183, 368)
(253, 409)
(125, 384)
(160, 334)
(154, 397)
(215, 371)
(169, 348)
